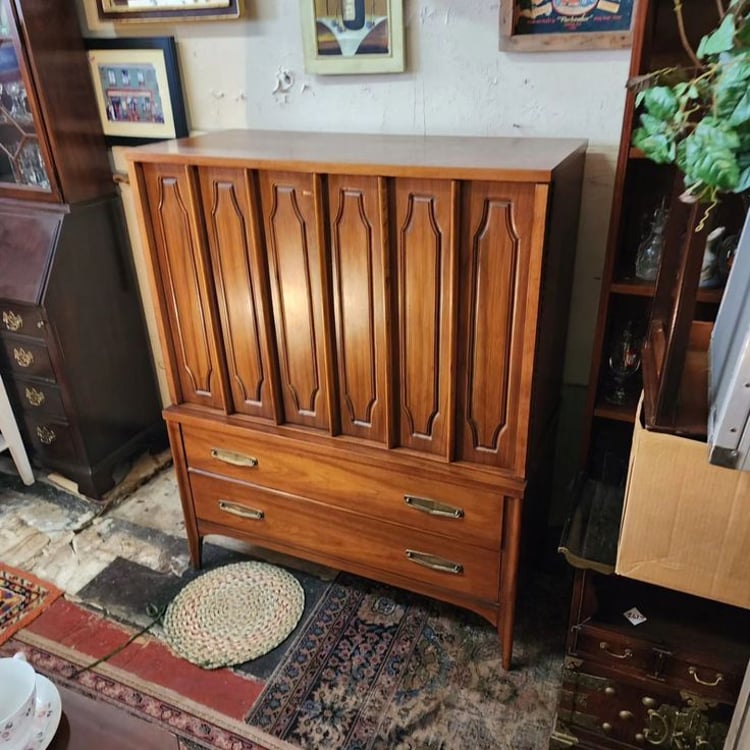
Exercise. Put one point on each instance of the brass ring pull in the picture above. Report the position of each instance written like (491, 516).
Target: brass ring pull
(34, 396)
(24, 357)
(236, 459)
(12, 321)
(46, 435)
(652, 714)
(433, 562)
(694, 671)
(626, 654)
(240, 510)
(433, 507)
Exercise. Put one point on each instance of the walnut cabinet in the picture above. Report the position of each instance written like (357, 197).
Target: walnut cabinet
(364, 337)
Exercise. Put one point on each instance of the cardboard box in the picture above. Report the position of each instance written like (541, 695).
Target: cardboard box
(685, 523)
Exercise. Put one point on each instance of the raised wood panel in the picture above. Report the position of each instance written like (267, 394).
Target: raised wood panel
(494, 262)
(241, 286)
(359, 265)
(424, 263)
(296, 276)
(183, 266)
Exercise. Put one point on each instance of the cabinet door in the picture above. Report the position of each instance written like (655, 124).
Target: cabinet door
(297, 288)
(241, 288)
(495, 260)
(187, 301)
(359, 259)
(425, 257)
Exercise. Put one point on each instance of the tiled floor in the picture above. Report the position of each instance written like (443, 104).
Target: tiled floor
(127, 556)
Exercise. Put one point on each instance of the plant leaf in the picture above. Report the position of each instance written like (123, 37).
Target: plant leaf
(744, 181)
(741, 113)
(720, 40)
(661, 102)
(659, 147)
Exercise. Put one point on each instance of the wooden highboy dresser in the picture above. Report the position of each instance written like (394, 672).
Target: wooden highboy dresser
(364, 337)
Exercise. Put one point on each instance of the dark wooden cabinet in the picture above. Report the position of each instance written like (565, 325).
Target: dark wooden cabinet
(361, 345)
(73, 346)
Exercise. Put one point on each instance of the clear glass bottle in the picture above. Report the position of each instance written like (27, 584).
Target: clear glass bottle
(648, 257)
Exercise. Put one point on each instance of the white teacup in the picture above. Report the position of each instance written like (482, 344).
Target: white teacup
(17, 701)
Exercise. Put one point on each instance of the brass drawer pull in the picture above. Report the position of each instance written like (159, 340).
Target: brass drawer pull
(241, 510)
(22, 356)
(46, 434)
(433, 507)
(626, 654)
(12, 321)
(719, 677)
(433, 562)
(236, 459)
(35, 397)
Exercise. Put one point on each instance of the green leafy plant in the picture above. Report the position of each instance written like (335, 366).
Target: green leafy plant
(699, 117)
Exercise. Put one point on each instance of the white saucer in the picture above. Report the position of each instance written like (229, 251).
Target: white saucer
(46, 715)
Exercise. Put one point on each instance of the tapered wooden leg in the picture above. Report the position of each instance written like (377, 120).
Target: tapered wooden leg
(511, 547)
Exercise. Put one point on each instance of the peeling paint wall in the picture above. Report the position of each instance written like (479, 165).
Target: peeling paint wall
(250, 73)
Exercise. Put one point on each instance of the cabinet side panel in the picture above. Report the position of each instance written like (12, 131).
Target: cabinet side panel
(240, 288)
(296, 289)
(494, 254)
(183, 269)
(424, 248)
(358, 263)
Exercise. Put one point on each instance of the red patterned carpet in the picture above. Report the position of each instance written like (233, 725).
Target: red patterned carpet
(23, 597)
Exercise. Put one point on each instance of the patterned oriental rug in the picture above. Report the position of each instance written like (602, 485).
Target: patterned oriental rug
(381, 669)
(23, 597)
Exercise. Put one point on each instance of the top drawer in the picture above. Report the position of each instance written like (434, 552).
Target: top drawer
(472, 514)
(16, 318)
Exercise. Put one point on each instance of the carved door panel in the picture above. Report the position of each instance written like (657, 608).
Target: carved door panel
(292, 232)
(182, 258)
(241, 288)
(359, 259)
(425, 278)
(492, 397)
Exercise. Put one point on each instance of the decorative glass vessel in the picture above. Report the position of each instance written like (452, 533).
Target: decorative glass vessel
(649, 253)
(624, 362)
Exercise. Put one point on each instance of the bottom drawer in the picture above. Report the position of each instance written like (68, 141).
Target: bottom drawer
(298, 523)
(49, 438)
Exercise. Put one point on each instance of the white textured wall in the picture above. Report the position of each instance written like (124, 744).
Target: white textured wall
(457, 83)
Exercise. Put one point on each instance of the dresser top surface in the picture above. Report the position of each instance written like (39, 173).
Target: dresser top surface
(513, 159)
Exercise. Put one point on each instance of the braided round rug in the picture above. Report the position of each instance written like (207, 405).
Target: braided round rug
(233, 614)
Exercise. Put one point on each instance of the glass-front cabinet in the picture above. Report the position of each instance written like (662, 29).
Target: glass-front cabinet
(23, 158)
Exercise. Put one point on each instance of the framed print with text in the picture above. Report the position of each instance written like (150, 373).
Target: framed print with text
(167, 10)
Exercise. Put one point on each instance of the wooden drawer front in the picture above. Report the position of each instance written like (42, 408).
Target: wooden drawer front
(618, 710)
(378, 491)
(714, 681)
(36, 396)
(49, 438)
(616, 651)
(23, 320)
(26, 357)
(310, 526)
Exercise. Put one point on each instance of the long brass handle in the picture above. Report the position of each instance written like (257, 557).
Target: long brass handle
(12, 321)
(46, 434)
(719, 677)
(24, 357)
(433, 562)
(34, 396)
(433, 507)
(236, 459)
(652, 737)
(626, 654)
(241, 510)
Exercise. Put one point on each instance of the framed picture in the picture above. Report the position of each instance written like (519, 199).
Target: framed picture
(137, 87)
(165, 10)
(353, 36)
(554, 25)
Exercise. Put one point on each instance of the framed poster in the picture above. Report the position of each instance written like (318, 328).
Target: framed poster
(166, 10)
(137, 87)
(353, 36)
(554, 25)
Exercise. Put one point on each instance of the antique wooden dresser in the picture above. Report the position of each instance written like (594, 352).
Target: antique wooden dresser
(364, 337)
